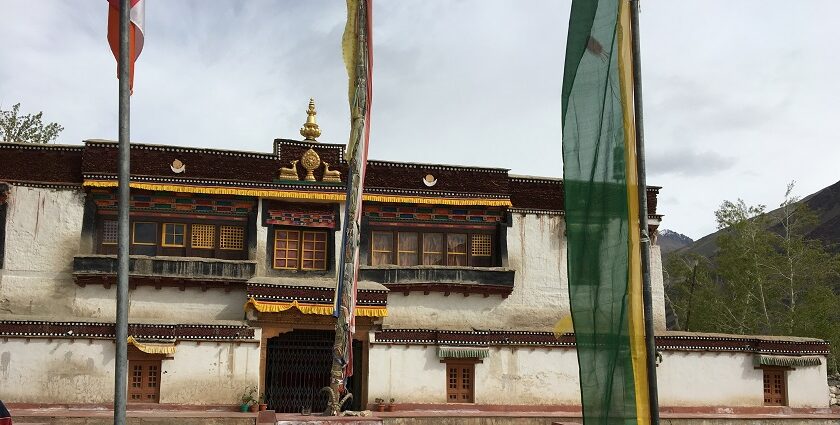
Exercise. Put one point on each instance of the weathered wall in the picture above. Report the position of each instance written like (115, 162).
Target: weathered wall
(537, 251)
(414, 374)
(657, 288)
(731, 379)
(526, 376)
(166, 304)
(57, 371)
(82, 371)
(210, 373)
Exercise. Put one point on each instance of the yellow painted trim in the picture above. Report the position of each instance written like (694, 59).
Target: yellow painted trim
(163, 236)
(324, 310)
(297, 194)
(152, 347)
(635, 315)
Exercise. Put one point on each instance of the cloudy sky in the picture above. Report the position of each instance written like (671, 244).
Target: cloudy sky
(740, 96)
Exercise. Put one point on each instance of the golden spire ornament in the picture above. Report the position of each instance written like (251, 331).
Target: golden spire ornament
(310, 130)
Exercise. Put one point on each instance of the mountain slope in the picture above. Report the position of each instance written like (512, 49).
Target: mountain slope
(825, 203)
(669, 241)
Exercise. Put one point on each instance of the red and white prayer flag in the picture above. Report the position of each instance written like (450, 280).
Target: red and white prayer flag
(135, 33)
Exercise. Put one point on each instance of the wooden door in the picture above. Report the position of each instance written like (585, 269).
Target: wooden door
(144, 381)
(775, 387)
(460, 379)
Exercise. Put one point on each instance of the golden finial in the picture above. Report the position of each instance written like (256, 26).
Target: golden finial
(310, 129)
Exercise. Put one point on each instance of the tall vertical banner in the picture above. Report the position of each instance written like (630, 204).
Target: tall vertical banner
(602, 207)
(358, 58)
(135, 33)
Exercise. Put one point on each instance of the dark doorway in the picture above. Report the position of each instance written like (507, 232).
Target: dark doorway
(297, 367)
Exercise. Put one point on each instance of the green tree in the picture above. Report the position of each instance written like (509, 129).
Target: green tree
(16, 128)
(766, 277)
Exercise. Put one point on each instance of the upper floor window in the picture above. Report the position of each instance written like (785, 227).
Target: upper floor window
(176, 224)
(296, 249)
(433, 248)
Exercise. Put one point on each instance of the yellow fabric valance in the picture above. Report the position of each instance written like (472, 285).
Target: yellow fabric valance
(321, 309)
(153, 347)
(299, 194)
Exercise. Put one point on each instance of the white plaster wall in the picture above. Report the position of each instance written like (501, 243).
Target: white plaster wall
(807, 386)
(262, 241)
(528, 376)
(210, 372)
(710, 379)
(57, 371)
(43, 229)
(657, 288)
(537, 251)
(166, 304)
(533, 376)
(408, 374)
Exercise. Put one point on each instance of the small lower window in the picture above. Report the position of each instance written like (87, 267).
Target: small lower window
(460, 382)
(775, 386)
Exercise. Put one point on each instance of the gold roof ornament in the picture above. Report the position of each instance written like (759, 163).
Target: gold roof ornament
(310, 129)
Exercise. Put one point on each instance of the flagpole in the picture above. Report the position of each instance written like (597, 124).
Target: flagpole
(121, 331)
(650, 341)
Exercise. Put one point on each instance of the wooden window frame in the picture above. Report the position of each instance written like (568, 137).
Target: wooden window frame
(315, 241)
(244, 237)
(145, 361)
(134, 232)
(460, 364)
(421, 253)
(163, 235)
(187, 250)
(286, 250)
(213, 231)
(299, 255)
(416, 252)
(769, 372)
(102, 233)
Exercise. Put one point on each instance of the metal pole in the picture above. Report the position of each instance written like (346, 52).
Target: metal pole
(650, 342)
(121, 366)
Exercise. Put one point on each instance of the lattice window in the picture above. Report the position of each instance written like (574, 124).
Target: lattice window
(456, 249)
(286, 249)
(203, 236)
(137, 376)
(173, 234)
(109, 232)
(314, 253)
(775, 386)
(231, 237)
(481, 246)
(459, 382)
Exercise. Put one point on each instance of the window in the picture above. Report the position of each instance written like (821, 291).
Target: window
(296, 249)
(144, 381)
(144, 233)
(460, 377)
(431, 249)
(286, 249)
(407, 249)
(314, 254)
(775, 386)
(109, 232)
(173, 234)
(231, 237)
(203, 236)
(382, 248)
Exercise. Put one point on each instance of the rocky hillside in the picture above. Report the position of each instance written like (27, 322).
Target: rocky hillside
(669, 240)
